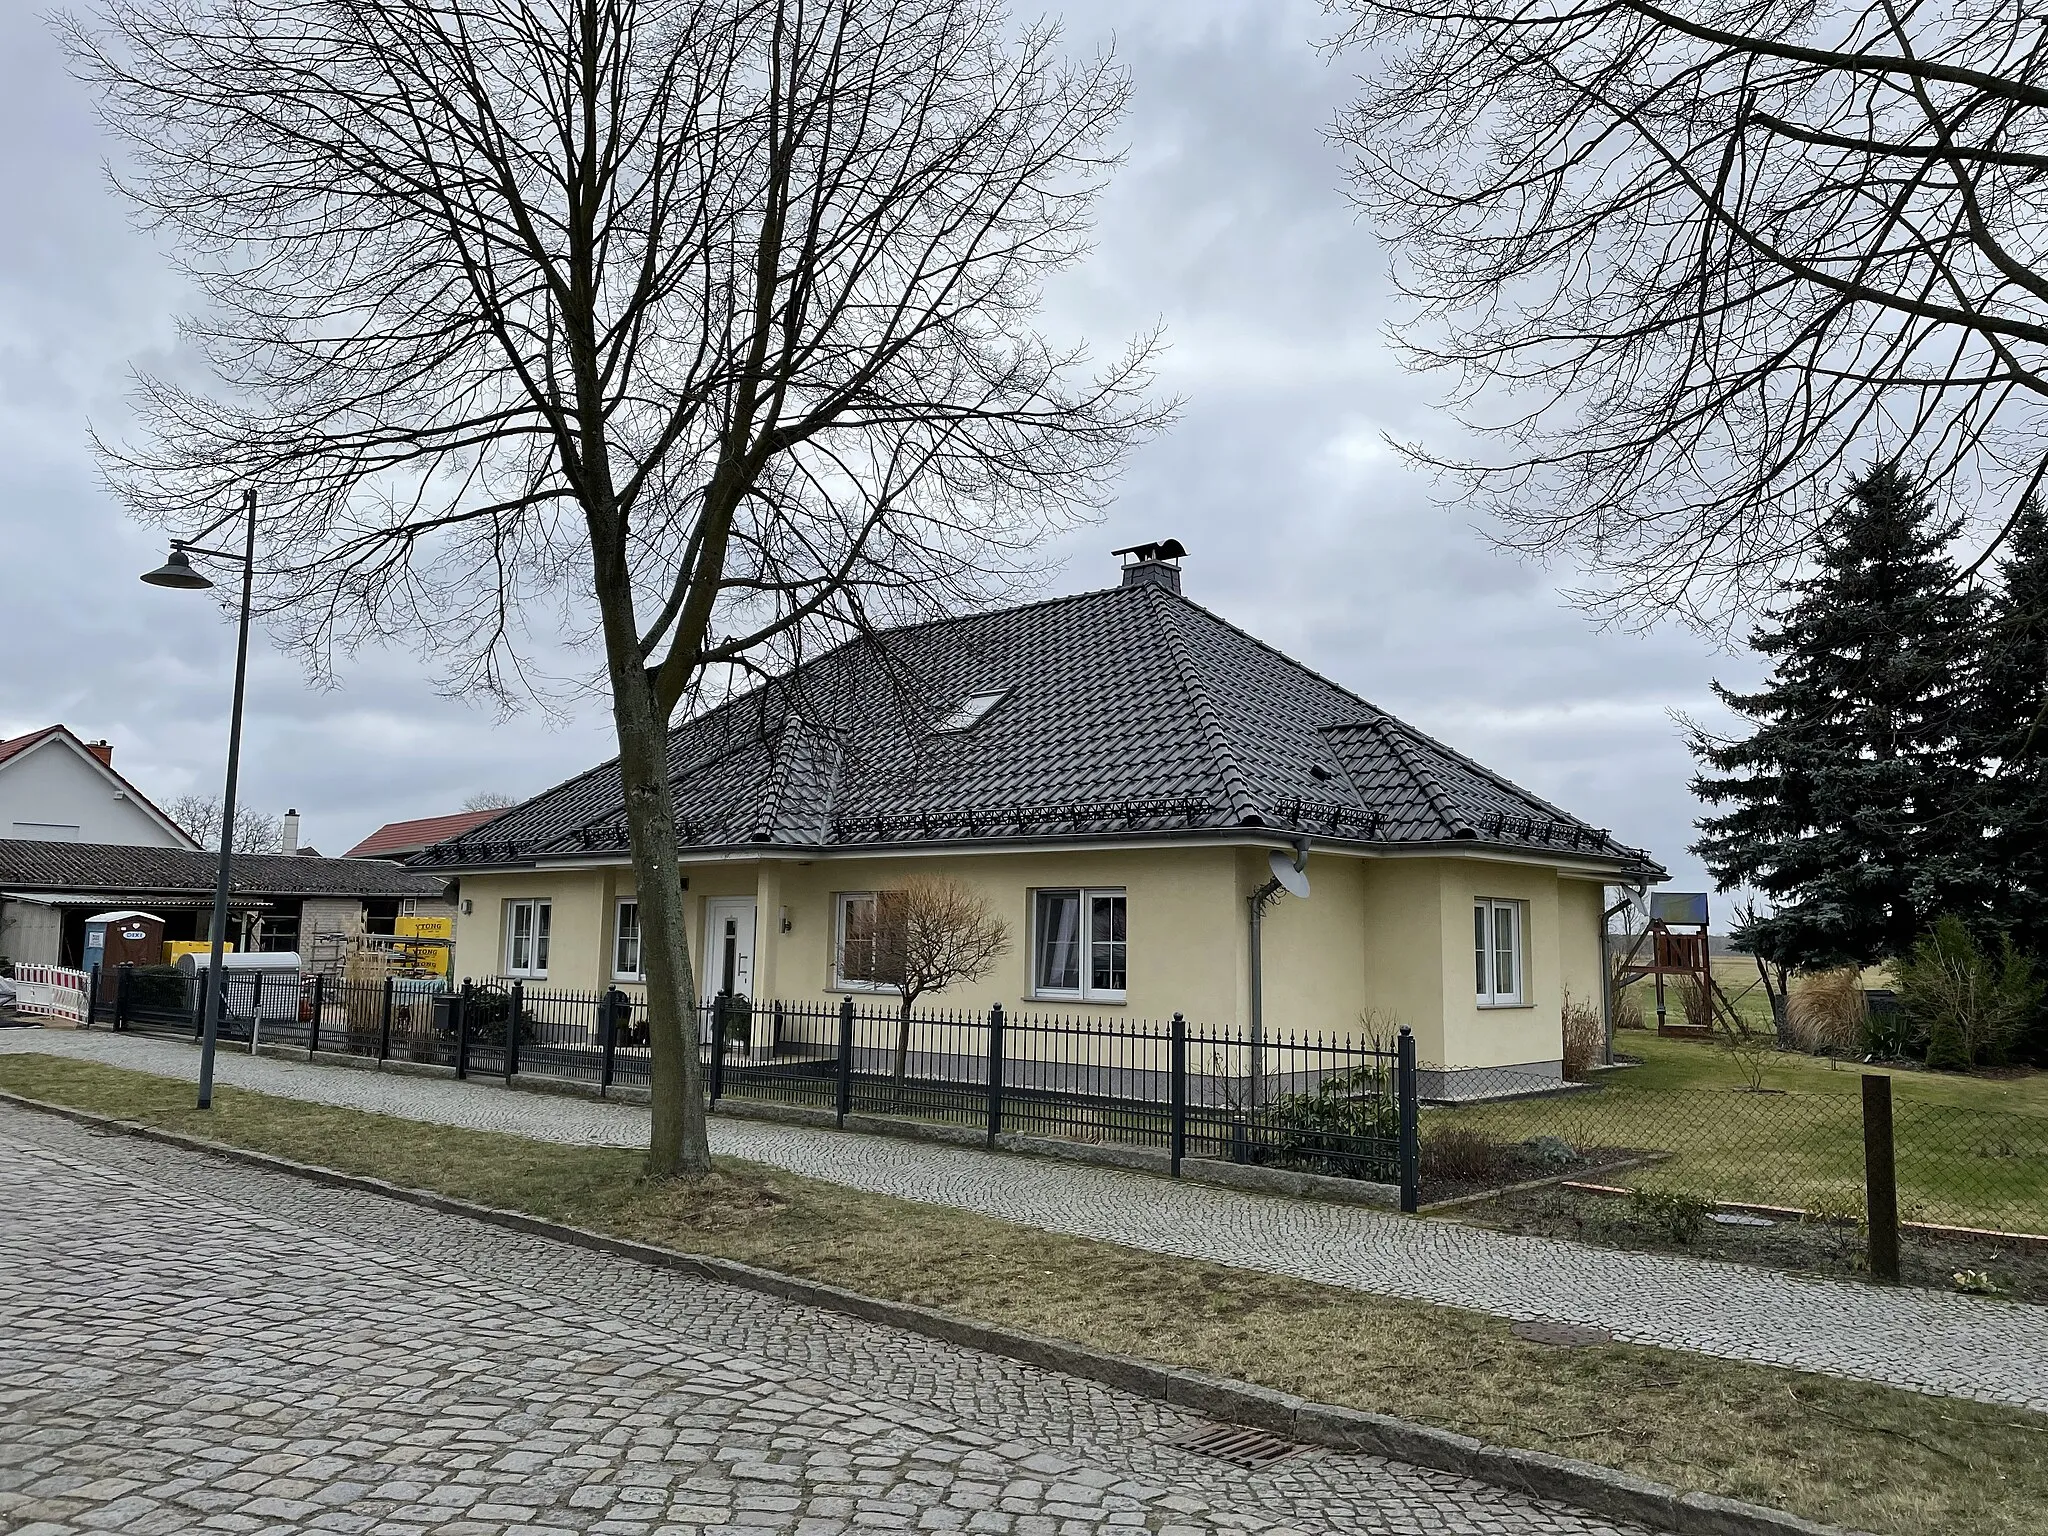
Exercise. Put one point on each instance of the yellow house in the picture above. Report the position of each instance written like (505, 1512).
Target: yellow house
(1116, 772)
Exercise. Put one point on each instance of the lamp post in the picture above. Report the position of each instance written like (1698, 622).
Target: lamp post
(177, 571)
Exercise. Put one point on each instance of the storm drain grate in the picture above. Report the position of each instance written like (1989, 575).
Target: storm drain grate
(1236, 1444)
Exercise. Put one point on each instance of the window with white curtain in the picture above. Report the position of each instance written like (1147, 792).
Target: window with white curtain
(1498, 968)
(526, 937)
(1079, 946)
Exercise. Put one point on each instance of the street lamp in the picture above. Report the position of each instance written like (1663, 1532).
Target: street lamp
(177, 572)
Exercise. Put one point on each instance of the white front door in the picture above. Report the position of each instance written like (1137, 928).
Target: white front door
(728, 946)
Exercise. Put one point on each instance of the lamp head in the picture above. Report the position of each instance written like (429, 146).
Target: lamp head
(177, 572)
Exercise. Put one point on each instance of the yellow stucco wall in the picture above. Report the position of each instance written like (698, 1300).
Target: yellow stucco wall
(1379, 943)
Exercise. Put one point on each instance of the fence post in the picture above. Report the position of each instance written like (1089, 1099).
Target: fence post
(512, 1030)
(842, 1100)
(607, 1039)
(995, 1073)
(462, 1030)
(1409, 1157)
(384, 1023)
(775, 1039)
(1177, 1065)
(92, 999)
(255, 1008)
(1880, 1177)
(319, 1007)
(718, 1007)
(121, 996)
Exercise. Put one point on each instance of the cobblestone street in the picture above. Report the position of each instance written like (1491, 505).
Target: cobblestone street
(1962, 1346)
(197, 1346)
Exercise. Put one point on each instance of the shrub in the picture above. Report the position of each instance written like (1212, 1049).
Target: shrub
(159, 988)
(1968, 1006)
(1696, 1002)
(1827, 1013)
(1457, 1155)
(1674, 1215)
(1584, 1038)
(1550, 1151)
(1350, 1126)
(1628, 1008)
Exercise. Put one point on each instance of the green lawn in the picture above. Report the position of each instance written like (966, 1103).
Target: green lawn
(1873, 1458)
(1971, 1151)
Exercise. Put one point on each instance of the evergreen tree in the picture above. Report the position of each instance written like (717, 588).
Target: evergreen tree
(1852, 802)
(2013, 732)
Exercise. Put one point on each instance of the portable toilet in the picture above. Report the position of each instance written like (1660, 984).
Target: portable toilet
(262, 987)
(115, 939)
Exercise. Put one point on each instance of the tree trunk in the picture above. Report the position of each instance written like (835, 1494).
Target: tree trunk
(902, 1047)
(679, 1146)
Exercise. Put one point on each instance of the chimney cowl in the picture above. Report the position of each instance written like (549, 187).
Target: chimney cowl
(1154, 565)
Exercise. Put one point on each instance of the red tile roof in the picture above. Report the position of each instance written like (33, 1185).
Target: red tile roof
(396, 837)
(23, 743)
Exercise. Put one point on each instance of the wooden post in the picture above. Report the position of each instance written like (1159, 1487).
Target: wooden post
(384, 1024)
(1880, 1177)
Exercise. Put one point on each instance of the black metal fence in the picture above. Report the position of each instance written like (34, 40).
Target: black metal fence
(1331, 1105)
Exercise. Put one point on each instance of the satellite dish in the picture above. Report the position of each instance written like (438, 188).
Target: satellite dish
(1293, 879)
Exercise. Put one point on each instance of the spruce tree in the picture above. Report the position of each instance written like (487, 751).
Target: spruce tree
(1851, 803)
(2013, 731)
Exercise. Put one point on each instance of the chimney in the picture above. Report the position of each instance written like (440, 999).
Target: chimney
(103, 750)
(289, 828)
(1154, 565)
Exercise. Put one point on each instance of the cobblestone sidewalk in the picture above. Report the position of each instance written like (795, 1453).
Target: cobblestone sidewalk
(1959, 1346)
(196, 1346)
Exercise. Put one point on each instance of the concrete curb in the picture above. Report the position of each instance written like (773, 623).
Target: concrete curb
(1586, 1485)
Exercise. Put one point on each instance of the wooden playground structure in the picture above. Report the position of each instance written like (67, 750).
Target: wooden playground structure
(1676, 934)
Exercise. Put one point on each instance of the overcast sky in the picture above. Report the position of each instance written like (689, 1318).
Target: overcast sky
(1228, 224)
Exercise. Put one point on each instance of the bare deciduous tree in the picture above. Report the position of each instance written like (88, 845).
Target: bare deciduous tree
(930, 933)
(703, 327)
(1689, 267)
(490, 800)
(255, 831)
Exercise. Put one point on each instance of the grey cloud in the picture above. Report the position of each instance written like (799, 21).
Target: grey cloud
(1228, 223)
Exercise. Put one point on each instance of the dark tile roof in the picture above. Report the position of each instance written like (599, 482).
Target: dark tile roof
(38, 867)
(1130, 710)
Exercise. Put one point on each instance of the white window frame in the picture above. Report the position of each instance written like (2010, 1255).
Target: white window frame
(540, 935)
(639, 971)
(1087, 992)
(1489, 910)
(841, 900)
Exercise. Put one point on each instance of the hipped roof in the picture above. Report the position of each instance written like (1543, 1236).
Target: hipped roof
(1130, 711)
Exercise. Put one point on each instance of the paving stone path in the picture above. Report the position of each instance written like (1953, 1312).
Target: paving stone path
(1960, 1346)
(196, 1346)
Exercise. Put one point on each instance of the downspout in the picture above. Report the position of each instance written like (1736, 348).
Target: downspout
(1258, 901)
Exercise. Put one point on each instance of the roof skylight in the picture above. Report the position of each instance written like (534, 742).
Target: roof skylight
(969, 712)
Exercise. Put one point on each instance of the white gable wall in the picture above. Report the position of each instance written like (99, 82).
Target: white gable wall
(53, 793)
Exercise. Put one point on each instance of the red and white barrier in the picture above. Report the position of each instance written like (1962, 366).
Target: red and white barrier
(50, 991)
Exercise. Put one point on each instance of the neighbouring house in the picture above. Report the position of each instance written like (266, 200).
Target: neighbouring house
(57, 788)
(1113, 771)
(318, 907)
(402, 839)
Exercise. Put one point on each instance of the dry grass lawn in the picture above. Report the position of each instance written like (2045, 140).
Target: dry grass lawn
(1862, 1456)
